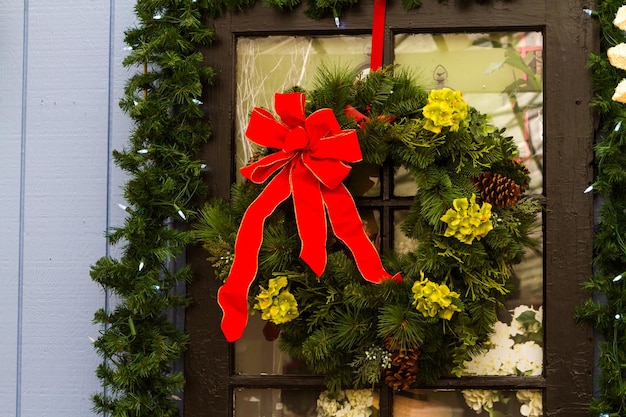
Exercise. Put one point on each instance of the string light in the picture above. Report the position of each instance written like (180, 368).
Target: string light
(590, 13)
(180, 212)
(618, 126)
(337, 20)
(141, 265)
(196, 101)
(618, 316)
(618, 278)
(588, 189)
(122, 206)
(128, 48)
(142, 151)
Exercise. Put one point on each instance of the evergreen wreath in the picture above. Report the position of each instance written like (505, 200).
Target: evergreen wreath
(470, 221)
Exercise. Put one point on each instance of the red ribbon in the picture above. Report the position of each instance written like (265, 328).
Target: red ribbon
(310, 166)
(378, 34)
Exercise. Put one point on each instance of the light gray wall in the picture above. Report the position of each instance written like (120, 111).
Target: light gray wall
(60, 81)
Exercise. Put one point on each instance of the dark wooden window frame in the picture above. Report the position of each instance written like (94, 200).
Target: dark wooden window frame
(569, 36)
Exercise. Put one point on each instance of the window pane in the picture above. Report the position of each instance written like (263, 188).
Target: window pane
(467, 403)
(275, 64)
(275, 403)
(499, 74)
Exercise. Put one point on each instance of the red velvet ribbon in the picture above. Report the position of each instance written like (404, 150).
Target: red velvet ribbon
(378, 34)
(310, 166)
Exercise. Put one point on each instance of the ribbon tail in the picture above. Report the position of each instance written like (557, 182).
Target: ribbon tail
(347, 226)
(233, 295)
(310, 217)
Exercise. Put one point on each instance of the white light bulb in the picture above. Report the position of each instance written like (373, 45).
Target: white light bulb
(618, 316)
(141, 265)
(618, 126)
(142, 151)
(196, 101)
(618, 278)
(122, 206)
(181, 214)
(588, 189)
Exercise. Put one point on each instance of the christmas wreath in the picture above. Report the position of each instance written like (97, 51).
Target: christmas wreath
(339, 310)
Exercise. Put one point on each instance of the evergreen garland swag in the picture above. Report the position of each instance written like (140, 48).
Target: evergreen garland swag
(605, 311)
(454, 279)
(139, 343)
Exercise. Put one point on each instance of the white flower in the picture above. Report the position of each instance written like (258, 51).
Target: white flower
(477, 399)
(620, 18)
(617, 56)
(348, 403)
(620, 92)
(530, 358)
(532, 403)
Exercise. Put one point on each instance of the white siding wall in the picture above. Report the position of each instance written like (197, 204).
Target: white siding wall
(60, 81)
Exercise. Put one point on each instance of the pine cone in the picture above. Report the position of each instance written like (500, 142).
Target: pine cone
(498, 190)
(403, 371)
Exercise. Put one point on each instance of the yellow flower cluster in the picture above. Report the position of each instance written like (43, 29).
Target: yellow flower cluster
(467, 220)
(433, 299)
(445, 108)
(275, 305)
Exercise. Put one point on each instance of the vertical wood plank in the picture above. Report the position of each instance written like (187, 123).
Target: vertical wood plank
(65, 192)
(11, 58)
(569, 125)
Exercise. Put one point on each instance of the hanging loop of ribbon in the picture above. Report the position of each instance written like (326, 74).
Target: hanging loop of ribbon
(310, 166)
(378, 34)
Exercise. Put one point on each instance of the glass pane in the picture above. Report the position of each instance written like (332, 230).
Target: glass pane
(401, 243)
(499, 74)
(257, 352)
(468, 403)
(275, 403)
(275, 64)
(304, 403)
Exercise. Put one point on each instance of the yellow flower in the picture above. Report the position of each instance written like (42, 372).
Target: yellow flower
(275, 305)
(433, 299)
(445, 108)
(467, 220)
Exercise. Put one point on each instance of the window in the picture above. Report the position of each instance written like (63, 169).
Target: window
(252, 377)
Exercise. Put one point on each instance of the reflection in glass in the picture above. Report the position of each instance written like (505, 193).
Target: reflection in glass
(364, 403)
(468, 403)
(499, 74)
(275, 403)
(401, 243)
(275, 64)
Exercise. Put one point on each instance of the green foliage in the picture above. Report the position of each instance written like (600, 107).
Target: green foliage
(342, 318)
(605, 312)
(138, 343)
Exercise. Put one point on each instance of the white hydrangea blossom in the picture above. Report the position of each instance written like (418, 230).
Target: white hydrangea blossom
(479, 399)
(532, 403)
(347, 403)
(506, 357)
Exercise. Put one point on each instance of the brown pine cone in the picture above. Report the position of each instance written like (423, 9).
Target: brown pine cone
(403, 371)
(498, 190)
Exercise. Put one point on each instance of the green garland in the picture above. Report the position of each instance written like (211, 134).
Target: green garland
(606, 311)
(454, 279)
(138, 343)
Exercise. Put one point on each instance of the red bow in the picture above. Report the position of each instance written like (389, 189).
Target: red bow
(313, 156)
